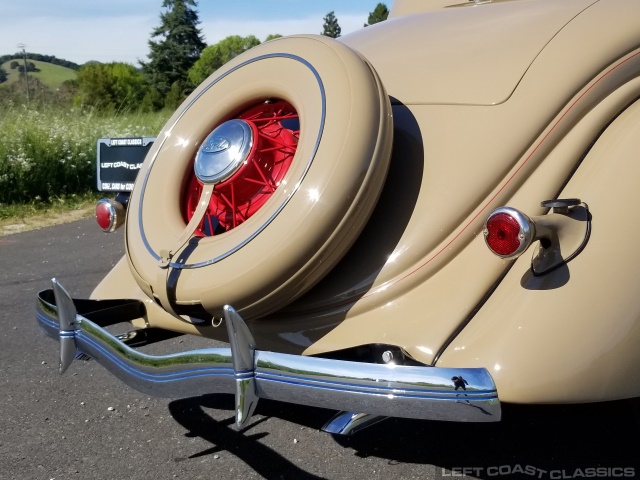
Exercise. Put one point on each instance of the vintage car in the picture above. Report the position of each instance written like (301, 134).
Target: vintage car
(424, 219)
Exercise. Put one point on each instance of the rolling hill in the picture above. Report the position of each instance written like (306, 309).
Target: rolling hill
(49, 74)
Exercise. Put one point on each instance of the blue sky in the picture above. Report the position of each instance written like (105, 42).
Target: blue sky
(118, 30)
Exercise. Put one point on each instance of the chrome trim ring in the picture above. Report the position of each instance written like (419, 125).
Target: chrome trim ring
(526, 234)
(223, 152)
(296, 184)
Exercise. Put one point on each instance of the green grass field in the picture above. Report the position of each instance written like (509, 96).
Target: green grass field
(50, 152)
(50, 75)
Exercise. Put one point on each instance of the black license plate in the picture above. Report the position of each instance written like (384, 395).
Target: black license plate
(119, 161)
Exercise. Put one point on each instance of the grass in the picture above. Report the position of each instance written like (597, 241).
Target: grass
(50, 152)
(18, 218)
(48, 161)
(50, 75)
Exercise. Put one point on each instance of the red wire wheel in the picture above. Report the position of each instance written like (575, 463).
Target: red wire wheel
(276, 130)
(261, 181)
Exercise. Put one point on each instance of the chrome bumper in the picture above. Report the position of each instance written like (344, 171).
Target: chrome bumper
(419, 392)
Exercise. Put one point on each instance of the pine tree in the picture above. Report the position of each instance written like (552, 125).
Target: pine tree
(330, 28)
(178, 47)
(379, 14)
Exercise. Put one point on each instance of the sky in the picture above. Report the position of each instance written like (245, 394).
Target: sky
(119, 30)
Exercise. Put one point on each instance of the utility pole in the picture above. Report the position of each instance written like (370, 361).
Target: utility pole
(26, 76)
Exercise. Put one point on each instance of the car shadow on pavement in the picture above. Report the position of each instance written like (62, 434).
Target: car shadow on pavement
(224, 436)
(572, 441)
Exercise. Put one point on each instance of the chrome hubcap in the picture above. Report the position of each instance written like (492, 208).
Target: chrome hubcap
(223, 152)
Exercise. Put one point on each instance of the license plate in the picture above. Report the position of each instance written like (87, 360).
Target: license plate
(119, 161)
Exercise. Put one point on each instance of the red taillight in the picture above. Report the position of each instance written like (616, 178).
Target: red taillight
(103, 216)
(109, 215)
(508, 232)
(503, 234)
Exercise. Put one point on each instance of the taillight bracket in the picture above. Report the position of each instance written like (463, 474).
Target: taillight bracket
(561, 234)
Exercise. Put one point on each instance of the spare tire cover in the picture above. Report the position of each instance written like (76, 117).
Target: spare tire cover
(305, 223)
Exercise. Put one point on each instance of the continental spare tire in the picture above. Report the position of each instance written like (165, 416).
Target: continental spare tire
(261, 180)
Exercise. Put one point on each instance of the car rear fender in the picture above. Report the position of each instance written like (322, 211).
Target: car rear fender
(578, 326)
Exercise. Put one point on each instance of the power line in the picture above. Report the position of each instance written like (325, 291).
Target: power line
(26, 76)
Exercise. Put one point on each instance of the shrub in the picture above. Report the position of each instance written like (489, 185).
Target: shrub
(110, 86)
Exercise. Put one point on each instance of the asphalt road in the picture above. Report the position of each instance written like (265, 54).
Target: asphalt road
(88, 425)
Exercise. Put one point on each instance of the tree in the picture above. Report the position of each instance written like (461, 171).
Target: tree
(330, 28)
(3, 75)
(174, 97)
(37, 91)
(67, 92)
(178, 47)
(272, 36)
(31, 67)
(152, 101)
(379, 14)
(110, 86)
(39, 57)
(214, 56)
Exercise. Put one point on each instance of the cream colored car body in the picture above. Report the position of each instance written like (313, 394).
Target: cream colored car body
(493, 103)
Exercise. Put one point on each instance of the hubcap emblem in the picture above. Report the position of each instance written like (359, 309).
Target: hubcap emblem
(215, 145)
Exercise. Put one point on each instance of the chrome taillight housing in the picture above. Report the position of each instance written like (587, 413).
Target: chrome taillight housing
(110, 215)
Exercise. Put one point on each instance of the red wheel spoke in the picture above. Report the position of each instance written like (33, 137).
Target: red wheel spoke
(210, 222)
(240, 196)
(273, 140)
(275, 149)
(277, 119)
(264, 177)
(224, 199)
(234, 210)
(284, 150)
(260, 182)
